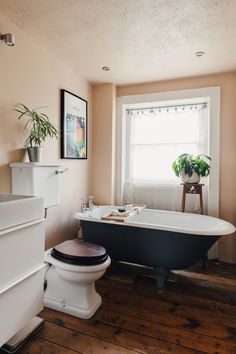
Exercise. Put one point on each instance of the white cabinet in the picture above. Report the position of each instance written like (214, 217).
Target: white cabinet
(19, 303)
(18, 209)
(22, 238)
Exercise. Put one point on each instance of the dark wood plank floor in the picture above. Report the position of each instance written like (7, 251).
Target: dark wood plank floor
(196, 313)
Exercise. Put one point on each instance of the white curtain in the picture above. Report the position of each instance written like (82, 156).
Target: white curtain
(154, 139)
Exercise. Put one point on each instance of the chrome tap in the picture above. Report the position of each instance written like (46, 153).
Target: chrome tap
(83, 205)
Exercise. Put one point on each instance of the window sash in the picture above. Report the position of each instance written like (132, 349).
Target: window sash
(135, 125)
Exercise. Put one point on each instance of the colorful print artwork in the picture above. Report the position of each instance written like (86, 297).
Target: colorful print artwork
(74, 126)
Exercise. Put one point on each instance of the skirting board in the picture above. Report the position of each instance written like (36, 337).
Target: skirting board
(23, 335)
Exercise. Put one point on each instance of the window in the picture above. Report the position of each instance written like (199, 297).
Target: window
(157, 135)
(158, 195)
(130, 181)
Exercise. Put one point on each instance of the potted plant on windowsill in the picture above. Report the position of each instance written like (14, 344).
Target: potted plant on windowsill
(40, 128)
(190, 168)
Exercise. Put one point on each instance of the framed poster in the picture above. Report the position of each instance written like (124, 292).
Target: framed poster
(73, 126)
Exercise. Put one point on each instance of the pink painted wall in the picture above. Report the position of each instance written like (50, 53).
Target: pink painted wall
(32, 75)
(103, 149)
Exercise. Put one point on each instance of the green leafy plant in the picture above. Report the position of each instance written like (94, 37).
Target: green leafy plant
(187, 164)
(39, 125)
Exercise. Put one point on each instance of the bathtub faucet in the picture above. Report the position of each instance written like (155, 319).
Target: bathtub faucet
(83, 205)
(87, 208)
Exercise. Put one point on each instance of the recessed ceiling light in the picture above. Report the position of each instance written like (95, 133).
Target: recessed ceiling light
(199, 54)
(105, 68)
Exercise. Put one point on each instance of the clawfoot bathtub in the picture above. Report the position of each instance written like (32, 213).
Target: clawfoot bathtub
(160, 239)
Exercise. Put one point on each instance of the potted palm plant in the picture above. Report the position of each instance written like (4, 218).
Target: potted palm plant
(39, 129)
(190, 168)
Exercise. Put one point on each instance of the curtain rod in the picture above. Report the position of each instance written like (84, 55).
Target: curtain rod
(170, 106)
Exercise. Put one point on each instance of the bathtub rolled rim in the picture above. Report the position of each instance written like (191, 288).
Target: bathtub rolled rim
(202, 232)
(225, 228)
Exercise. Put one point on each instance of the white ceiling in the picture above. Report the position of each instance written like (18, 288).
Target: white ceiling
(140, 40)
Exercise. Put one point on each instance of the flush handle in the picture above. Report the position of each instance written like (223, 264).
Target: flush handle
(62, 171)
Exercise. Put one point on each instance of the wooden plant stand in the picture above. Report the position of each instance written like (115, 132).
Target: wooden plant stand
(192, 188)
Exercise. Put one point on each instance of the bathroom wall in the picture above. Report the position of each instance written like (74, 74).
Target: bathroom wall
(103, 149)
(103, 143)
(227, 82)
(32, 75)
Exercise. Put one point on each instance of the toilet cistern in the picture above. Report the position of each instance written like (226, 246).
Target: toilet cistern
(39, 179)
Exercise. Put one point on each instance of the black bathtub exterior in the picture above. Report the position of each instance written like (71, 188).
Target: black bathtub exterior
(149, 247)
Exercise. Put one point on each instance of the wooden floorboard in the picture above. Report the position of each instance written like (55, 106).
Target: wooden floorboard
(196, 313)
(174, 313)
(110, 332)
(79, 342)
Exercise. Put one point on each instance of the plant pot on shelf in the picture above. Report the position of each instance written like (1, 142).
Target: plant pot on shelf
(35, 153)
(195, 178)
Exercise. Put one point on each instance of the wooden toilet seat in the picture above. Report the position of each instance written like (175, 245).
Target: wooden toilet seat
(79, 253)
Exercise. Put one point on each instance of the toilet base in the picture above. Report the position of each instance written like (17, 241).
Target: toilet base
(71, 288)
(73, 310)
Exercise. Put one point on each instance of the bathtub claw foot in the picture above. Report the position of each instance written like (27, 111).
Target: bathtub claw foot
(161, 277)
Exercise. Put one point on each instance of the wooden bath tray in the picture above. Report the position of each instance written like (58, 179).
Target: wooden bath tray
(121, 218)
(117, 218)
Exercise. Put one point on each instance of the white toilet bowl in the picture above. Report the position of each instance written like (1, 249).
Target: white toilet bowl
(71, 287)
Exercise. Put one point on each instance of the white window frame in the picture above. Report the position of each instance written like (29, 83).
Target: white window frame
(212, 95)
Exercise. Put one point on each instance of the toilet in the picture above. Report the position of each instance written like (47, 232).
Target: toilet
(74, 266)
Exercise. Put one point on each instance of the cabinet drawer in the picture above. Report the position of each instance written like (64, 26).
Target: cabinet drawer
(20, 303)
(21, 250)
